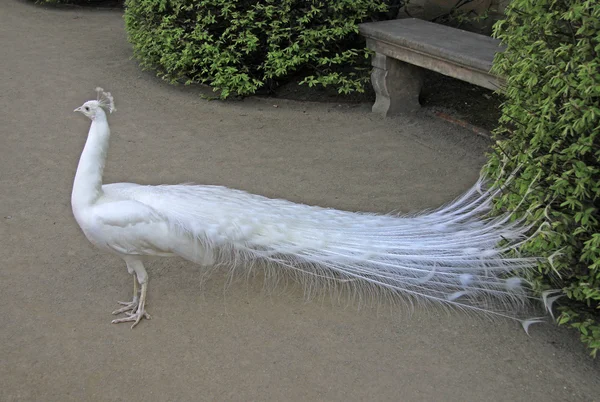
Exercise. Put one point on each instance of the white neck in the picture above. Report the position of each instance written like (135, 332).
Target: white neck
(87, 186)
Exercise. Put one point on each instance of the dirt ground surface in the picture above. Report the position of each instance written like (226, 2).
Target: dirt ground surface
(206, 342)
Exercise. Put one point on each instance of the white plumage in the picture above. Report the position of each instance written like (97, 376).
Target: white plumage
(449, 256)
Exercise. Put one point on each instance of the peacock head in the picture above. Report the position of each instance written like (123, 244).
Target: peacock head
(91, 108)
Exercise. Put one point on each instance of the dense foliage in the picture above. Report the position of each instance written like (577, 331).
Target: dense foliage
(550, 129)
(240, 46)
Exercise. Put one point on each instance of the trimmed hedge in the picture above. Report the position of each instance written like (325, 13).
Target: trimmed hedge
(241, 46)
(550, 129)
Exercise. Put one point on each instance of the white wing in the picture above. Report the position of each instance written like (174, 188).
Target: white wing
(125, 213)
(129, 227)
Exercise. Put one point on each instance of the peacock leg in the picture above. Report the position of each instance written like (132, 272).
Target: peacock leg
(138, 311)
(132, 305)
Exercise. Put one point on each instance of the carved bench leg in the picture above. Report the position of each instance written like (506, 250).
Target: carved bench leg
(397, 85)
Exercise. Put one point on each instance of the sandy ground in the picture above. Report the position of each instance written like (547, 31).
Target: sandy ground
(205, 343)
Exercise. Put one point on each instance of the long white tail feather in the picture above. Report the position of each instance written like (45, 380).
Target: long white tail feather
(452, 255)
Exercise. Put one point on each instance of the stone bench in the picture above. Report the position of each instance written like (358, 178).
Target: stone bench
(404, 47)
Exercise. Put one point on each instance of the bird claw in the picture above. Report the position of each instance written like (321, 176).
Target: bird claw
(129, 306)
(136, 309)
(146, 315)
(136, 317)
(135, 312)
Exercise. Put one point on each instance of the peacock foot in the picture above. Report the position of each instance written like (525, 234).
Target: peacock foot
(136, 309)
(137, 313)
(129, 306)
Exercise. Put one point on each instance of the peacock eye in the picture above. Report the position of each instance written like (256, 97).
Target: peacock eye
(87, 108)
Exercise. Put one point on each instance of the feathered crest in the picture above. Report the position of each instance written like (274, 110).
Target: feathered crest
(106, 100)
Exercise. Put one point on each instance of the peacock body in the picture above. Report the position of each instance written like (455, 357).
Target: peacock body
(452, 256)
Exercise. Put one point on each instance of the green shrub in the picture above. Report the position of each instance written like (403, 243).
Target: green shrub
(550, 128)
(239, 46)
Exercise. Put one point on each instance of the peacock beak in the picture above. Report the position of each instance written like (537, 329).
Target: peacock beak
(78, 109)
